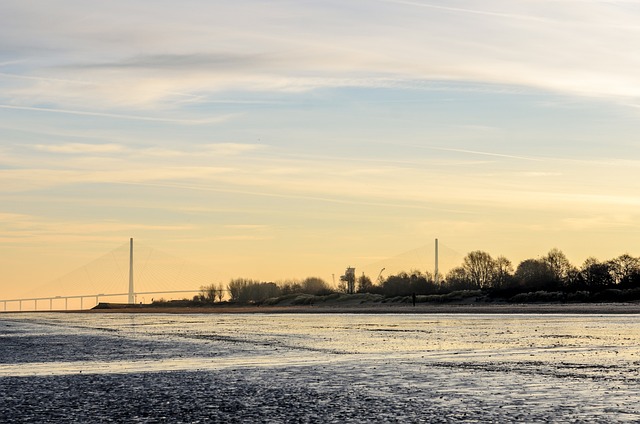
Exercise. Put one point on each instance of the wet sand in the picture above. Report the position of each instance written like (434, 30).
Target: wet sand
(324, 368)
(302, 395)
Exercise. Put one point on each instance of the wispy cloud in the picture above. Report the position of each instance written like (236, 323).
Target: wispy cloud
(15, 220)
(471, 11)
(206, 150)
(243, 237)
(246, 226)
(44, 79)
(499, 155)
(194, 61)
(494, 42)
(113, 227)
(540, 174)
(233, 148)
(600, 222)
(23, 228)
(80, 148)
(211, 120)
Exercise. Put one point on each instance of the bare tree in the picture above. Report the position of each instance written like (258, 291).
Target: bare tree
(624, 268)
(503, 272)
(480, 268)
(208, 293)
(457, 279)
(596, 274)
(220, 292)
(342, 286)
(558, 264)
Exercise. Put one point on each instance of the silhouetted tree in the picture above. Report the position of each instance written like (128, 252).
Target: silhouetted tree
(422, 283)
(503, 276)
(480, 268)
(220, 292)
(574, 280)
(405, 284)
(397, 285)
(236, 286)
(243, 290)
(290, 286)
(342, 286)
(596, 275)
(559, 265)
(625, 270)
(208, 293)
(315, 285)
(457, 279)
(535, 274)
(364, 284)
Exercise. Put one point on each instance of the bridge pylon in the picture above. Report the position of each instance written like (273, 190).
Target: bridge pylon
(132, 297)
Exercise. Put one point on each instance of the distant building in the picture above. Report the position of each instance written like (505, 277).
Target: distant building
(349, 278)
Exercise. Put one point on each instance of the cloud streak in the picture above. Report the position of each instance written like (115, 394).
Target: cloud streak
(497, 155)
(212, 120)
(495, 43)
(80, 148)
(471, 11)
(198, 61)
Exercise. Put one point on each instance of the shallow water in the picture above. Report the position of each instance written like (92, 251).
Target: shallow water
(320, 368)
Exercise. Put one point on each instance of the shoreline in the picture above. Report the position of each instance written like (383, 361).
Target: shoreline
(367, 308)
(421, 308)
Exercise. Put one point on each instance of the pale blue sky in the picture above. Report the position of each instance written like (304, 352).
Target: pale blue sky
(284, 139)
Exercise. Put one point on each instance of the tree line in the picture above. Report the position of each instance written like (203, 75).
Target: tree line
(242, 290)
(498, 277)
(479, 271)
(552, 272)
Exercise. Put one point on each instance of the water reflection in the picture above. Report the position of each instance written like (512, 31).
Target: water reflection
(596, 345)
(514, 368)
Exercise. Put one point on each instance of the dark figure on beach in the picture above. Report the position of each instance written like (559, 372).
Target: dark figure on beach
(413, 299)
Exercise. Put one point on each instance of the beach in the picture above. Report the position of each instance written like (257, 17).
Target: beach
(321, 367)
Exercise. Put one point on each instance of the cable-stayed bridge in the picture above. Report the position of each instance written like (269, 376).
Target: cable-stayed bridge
(122, 275)
(128, 275)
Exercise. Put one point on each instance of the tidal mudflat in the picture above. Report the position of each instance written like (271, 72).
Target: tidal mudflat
(319, 368)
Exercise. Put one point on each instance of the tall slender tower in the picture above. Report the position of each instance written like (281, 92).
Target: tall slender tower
(131, 295)
(436, 275)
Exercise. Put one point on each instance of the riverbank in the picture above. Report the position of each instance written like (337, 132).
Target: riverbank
(384, 308)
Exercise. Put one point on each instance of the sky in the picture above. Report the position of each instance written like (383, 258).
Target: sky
(286, 139)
